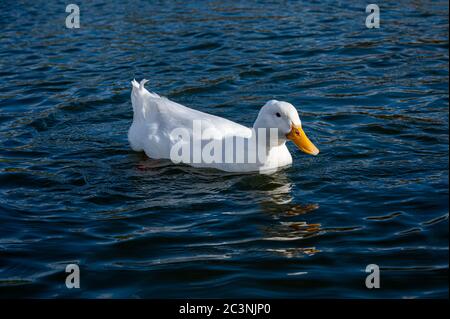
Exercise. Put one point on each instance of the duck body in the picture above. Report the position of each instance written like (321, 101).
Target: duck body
(162, 127)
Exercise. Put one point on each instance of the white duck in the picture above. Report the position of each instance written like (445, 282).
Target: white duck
(162, 128)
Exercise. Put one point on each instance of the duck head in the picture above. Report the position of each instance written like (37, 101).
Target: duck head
(284, 117)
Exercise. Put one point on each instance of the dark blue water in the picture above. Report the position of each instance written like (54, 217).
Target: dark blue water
(375, 101)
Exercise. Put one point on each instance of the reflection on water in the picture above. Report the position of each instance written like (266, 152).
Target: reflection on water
(295, 252)
(276, 191)
(292, 231)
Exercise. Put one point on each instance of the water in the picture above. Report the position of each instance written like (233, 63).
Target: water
(375, 101)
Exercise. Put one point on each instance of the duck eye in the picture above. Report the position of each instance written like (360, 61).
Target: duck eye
(278, 114)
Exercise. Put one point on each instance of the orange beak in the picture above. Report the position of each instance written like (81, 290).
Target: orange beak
(298, 136)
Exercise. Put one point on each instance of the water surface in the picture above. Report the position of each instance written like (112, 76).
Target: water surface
(375, 102)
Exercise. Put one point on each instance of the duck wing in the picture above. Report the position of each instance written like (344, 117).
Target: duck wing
(158, 120)
(168, 115)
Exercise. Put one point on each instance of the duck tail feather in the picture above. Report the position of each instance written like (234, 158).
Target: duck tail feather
(135, 84)
(142, 83)
(140, 87)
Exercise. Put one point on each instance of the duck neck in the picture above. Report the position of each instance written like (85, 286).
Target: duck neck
(267, 138)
